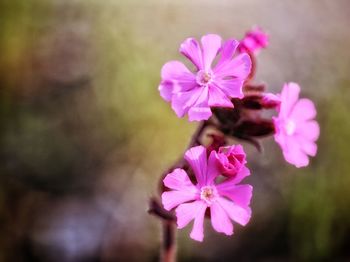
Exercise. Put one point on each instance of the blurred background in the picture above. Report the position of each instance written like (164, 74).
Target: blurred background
(85, 135)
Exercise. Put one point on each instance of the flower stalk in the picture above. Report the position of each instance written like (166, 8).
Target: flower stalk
(206, 181)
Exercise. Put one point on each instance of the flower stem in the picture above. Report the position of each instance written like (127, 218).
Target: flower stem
(253, 67)
(169, 242)
(197, 134)
(168, 248)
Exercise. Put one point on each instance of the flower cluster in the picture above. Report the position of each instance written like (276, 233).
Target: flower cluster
(220, 93)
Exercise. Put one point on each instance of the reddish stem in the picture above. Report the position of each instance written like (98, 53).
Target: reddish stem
(168, 248)
(253, 68)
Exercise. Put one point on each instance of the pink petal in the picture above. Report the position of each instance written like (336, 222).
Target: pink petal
(293, 153)
(227, 51)
(190, 48)
(211, 44)
(189, 211)
(176, 70)
(307, 146)
(175, 78)
(183, 101)
(212, 170)
(166, 90)
(242, 65)
(309, 129)
(197, 229)
(197, 158)
(179, 180)
(243, 173)
(241, 215)
(289, 96)
(200, 110)
(239, 67)
(199, 113)
(171, 199)
(231, 87)
(280, 135)
(303, 110)
(241, 194)
(220, 220)
(236, 149)
(217, 98)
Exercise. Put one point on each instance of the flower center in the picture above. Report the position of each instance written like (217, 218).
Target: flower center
(208, 194)
(290, 127)
(203, 78)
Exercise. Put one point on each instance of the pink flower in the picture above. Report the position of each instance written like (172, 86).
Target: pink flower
(226, 200)
(254, 40)
(195, 93)
(231, 160)
(296, 129)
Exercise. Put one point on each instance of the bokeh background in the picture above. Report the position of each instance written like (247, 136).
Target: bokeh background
(85, 135)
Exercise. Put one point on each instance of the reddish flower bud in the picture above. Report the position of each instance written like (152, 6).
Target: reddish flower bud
(254, 40)
(270, 100)
(231, 159)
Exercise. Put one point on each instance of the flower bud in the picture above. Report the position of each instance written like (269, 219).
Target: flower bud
(270, 100)
(254, 40)
(231, 159)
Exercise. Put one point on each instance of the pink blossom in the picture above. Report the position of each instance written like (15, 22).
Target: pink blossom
(296, 129)
(227, 200)
(231, 160)
(209, 86)
(254, 40)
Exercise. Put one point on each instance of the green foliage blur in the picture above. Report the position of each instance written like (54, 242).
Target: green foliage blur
(85, 135)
